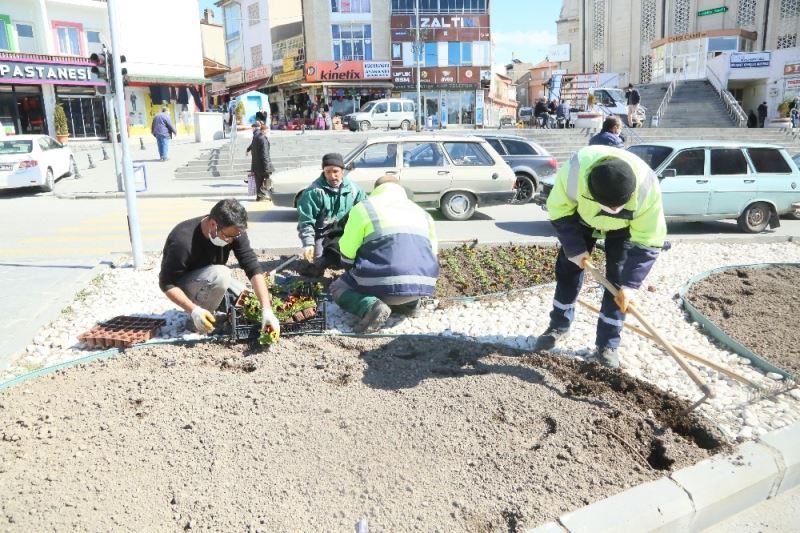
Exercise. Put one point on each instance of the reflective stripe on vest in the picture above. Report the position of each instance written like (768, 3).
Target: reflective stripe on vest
(373, 215)
(378, 230)
(394, 280)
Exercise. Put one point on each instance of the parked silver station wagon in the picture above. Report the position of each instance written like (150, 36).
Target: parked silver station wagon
(455, 174)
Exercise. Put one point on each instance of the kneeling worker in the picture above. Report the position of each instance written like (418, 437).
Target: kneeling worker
(391, 243)
(326, 201)
(193, 272)
(611, 194)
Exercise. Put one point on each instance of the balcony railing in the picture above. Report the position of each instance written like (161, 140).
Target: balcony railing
(45, 57)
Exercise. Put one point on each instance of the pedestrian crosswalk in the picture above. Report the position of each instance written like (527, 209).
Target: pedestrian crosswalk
(99, 228)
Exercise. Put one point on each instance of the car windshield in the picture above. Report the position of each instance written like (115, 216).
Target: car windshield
(617, 94)
(16, 147)
(652, 155)
(352, 153)
(367, 107)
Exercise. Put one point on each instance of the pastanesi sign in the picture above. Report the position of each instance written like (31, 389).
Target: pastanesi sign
(52, 73)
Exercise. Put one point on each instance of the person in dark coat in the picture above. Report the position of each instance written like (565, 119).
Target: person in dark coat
(261, 164)
(752, 120)
(540, 112)
(610, 134)
(163, 130)
(762, 114)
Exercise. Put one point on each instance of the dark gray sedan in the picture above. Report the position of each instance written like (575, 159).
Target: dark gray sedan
(529, 160)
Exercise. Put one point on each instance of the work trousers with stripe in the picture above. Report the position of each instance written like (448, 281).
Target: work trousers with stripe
(569, 279)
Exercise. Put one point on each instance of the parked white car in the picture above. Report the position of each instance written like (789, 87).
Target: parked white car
(455, 174)
(33, 160)
(385, 113)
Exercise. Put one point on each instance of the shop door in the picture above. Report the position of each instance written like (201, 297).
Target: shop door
(8, 115)
(86, 117)
(31, 115)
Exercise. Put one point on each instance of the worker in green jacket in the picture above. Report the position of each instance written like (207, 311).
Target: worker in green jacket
(324, 203)
(389, 244)
(611, 194)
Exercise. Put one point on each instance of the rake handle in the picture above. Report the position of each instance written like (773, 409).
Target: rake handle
(701, 384)
(684, 352)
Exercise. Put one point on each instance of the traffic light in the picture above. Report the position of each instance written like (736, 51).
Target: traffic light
(101, 64)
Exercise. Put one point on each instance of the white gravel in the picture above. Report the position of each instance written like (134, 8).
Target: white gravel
(739, 412)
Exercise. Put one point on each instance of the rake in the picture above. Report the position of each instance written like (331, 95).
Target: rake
(658, 337)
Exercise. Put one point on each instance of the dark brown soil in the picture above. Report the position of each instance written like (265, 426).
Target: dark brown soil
(318, 432)
(759, 307)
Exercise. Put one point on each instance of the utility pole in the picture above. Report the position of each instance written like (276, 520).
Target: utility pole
(127, 163)
(418, 57)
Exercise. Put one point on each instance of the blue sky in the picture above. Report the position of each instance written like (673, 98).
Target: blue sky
(525, 28)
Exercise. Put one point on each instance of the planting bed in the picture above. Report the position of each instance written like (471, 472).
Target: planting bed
(759, 307)
(318, 432)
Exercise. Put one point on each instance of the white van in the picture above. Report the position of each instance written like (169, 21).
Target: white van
(612, 101)
(385, 113)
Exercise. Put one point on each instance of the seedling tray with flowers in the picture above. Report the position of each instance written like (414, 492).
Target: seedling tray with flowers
(299, 307)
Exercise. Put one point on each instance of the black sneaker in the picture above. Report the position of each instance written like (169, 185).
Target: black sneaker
(374, 319)
(608, 357)
(547, 340)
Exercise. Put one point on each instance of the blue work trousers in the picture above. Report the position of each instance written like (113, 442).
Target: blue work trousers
(569, 279)
(163, 146)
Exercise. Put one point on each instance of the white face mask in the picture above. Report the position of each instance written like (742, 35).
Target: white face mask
(216, 240)
(612, 211)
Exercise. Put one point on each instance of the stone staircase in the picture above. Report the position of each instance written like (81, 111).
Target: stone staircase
(291, 151)
(695, 104)
(652, 95)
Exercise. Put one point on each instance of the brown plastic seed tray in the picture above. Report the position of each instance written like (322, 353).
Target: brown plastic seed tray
(122, 332)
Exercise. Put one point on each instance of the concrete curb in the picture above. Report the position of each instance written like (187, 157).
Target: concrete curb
(698, 496)
(116, 194)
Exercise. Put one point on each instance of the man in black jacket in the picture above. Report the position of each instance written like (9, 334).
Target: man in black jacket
(261, 163)
(633, 98)
(193, 272)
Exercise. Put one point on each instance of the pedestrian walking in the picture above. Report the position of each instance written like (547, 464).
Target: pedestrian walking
(633, 99)
(261, 164)
(611, 194)
(163, 130)
(762, 114)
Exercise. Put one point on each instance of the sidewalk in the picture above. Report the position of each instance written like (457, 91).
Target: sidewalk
(99, 182)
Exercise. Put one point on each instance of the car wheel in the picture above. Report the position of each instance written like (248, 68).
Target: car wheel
(405, 125)
(524, 189)
(458, 205)
(364, 125)
(49, 181)
(755, 218)
(73, 169)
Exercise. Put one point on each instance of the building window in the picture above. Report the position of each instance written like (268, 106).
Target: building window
(431, 54)
(5, 33)
(453, 54)
(233, 15)
(352, 42)
(234, 50)
(680, 19)
(68, 36)
(255, 56)
(253, 16)
(599, 26)
(397, 51)
(466, 54)
(746, 14)
(350, 6)
(645, 69)
(440, 6)
(788, 23)
(25, 41)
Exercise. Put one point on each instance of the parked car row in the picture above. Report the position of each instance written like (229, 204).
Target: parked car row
(752, 183)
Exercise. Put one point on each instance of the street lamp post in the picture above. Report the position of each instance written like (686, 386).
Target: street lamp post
(418, 57)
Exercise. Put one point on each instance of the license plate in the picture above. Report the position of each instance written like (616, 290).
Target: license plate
(6, 167)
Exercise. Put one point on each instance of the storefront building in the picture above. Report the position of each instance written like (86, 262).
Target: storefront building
(455, 60)
(345, 86)
(684, 57)
(27, 81)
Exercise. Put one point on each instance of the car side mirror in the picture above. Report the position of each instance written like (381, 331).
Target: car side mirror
(668, 173)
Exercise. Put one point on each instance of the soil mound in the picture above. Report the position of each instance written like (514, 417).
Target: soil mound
(318, 432)
(759, 307)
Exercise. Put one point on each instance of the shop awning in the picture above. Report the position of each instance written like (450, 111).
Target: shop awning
(247, 87)
(165, 80)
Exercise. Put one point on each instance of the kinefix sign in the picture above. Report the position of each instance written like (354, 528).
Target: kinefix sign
(348, 70)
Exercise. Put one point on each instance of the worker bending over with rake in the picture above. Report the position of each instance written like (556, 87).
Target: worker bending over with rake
(390, 244)
(603, 193)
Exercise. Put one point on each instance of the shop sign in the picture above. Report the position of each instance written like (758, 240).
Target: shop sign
(479, 107)
(218, 88)
(437, 27)
(403, 76)
(792, 84)
(468, 75)
(348, 70)
(791, 68)
(712, 11)
(258, 73)
(751, 59)
(558, 53)
(30, 72)
(234, 78)
(287, 77)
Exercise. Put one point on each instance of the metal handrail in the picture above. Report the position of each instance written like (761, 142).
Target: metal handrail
(232, 144)
(734, 109)
(662, 108)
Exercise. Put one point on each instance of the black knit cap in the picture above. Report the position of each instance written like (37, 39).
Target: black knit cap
(612, 182)
(332, 160)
